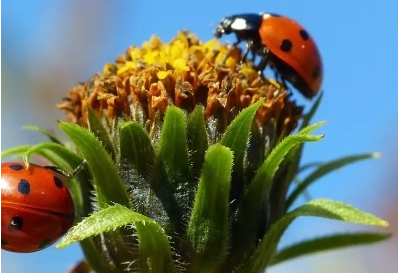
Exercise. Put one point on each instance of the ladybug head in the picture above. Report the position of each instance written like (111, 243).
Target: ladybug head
(225, 26)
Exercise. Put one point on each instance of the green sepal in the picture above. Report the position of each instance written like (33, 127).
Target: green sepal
(311, 113)
(197, 138)
(45, 132)
(236, 138)
(327, 243)
(109, 188)
(95, 258)
(208, 225)
(172, 177)
(137, 148)
(153, 245)
(65, 159)
(324, 208)
(257, 194)
(108, 185)
(16, 151)
(322, 170)
(96, 127)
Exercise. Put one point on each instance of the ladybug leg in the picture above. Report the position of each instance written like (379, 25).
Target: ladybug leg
(244, 57)
(283, 80)
(230, 48)
(59, 171)
(263, 63)
(79, 168)
(280, 79)
(264, 60)
(250, 45)
(249, 48)
(65, 173)
(253, 55)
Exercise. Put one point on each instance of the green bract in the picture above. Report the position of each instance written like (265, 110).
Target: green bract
(192, 164)
(174, 206)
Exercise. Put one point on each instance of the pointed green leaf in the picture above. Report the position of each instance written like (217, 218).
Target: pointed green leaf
(307, 166)
(137, 148)
(17, 151)
(311, 113)
(172, 176)
(57, 154)
(173, 150)
(323, 170)
(208, 226)
(237, 134)
(96, 127)
(65, 159)
(197, 138)
(108, 185)
(306, 194)
(257, 194)
(294, 156)
(94, 257)
(324, 208)
(46, 132)
(334, 210)
(327, 243)
(154, 253)
(236, 138)
(154, 249)
(312, 127)
(287, 171)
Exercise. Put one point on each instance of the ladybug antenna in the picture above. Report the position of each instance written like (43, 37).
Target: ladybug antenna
(59, 171)
(79, 168)
(65, 173)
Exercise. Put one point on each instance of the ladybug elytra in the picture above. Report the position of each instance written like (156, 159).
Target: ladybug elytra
(36, 206)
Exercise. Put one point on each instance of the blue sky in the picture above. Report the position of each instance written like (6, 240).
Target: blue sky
(358, 42)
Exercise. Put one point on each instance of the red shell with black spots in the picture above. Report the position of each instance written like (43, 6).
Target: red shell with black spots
(36, 207)
(297, 56)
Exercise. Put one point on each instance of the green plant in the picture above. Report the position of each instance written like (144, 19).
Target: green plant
(189, 160)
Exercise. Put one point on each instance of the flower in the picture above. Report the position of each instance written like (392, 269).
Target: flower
(184, 72)
(188, 157)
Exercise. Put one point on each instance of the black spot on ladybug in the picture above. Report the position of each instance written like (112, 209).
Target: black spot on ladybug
(24, 187)
(58, 183)
(3, 242)
(16, 223)
(45, 243)
(304, 34)
(316, 73)
(16, 167)
(286, 45)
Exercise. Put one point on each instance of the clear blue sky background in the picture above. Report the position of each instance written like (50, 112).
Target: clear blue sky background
(358, 40)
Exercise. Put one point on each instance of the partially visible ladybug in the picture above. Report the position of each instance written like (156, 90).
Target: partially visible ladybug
(36, 206)
(281, 42)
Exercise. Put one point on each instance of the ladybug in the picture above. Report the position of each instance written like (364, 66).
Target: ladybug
(36, 206)
(281, 42)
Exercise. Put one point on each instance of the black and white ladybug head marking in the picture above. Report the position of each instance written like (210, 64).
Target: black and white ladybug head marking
(240, 24)
(224, 27)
